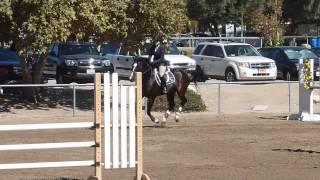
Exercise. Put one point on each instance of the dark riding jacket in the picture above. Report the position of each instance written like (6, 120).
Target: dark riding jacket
(158, 52)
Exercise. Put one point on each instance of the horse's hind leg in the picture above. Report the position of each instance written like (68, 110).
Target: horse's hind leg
(149, 107)
(171, 104)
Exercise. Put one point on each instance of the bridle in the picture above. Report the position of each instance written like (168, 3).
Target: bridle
(134, 69)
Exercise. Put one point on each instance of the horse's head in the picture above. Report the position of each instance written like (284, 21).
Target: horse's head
(140, 65)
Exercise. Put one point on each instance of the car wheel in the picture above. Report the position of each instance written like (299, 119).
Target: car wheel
(199, 75)
(288, 76)
(230, 75)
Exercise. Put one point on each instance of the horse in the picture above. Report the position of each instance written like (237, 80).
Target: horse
(151, 88)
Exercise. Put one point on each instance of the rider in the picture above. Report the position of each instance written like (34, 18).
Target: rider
(156, 56)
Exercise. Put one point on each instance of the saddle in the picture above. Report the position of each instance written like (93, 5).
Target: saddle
(168, 76)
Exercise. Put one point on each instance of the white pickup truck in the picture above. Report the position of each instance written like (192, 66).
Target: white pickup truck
(122, 59)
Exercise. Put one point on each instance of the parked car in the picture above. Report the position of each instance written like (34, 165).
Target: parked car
(287, 59)
(10, 68)
(232, 61)
(75, 62)
(123, 59)
(316, 51)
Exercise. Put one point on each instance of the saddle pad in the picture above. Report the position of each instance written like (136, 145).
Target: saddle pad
(169, 77)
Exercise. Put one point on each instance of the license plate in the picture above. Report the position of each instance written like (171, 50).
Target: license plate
(262, 71)
(91, 71)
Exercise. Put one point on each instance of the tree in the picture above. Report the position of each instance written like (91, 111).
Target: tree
(145, 18)
(215, 12)
(34, 25)
(267, 21)
(301, 11)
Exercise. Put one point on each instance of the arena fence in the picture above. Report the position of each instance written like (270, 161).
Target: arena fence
(129, 123)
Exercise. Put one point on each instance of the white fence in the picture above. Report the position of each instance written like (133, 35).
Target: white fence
(120, 151)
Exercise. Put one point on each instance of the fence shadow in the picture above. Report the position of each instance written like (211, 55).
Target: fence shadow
(59, 97)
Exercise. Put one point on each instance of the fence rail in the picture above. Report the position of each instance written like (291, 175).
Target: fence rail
(77, 87)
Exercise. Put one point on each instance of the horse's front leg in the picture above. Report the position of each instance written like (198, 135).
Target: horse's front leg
(171, 104)
(183, 102)
(150, 102)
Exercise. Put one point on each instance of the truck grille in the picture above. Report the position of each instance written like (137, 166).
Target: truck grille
(260, 65)
(261, 74)
(90, 63)
(180, 64)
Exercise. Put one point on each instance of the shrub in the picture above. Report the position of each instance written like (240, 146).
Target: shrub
(194, 104)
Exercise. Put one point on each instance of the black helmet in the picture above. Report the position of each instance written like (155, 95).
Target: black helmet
(158, 37)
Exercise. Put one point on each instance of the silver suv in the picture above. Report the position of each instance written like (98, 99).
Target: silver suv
(232, 61)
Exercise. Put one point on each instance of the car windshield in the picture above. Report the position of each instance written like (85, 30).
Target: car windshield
(7, 55)
(316, 51)
(77, 49)
(240, 50)
(294, 54)
(169, 49)
(110, 48)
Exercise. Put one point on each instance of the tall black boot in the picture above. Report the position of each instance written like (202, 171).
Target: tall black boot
(164, 85)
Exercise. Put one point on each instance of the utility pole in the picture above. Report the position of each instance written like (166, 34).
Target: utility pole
(242, 25)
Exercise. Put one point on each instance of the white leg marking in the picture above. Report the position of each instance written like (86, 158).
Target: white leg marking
(178, 114)
(155, 119)
(166, 116)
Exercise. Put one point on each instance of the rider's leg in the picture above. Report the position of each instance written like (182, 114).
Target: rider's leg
(162, 70)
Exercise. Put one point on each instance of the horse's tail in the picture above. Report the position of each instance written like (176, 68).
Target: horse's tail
(194, 78)
(191, 77)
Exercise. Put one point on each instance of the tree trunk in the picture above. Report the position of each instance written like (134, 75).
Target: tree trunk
(30, 76)
(28, 92)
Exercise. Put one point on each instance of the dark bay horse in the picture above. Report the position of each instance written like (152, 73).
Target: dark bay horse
(151, 89)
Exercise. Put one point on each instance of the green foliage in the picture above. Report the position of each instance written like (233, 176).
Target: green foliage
(267, 20)
(194, 104)
(301, 11)
(33, 25)
(147, 17)
(214, 12)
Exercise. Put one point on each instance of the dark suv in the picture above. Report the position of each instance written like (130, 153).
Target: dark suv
(10, 68)
(287, 59)
(75, 62)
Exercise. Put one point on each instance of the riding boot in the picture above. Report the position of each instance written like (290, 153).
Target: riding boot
(163, 85)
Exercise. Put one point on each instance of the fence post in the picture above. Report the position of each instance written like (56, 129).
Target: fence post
(98, 130)
(74, 99)
(289, 96)
(219, 98)
(139, 126)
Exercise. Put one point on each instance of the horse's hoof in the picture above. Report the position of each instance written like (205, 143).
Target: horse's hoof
(156, 121)
(177, 118)
(163, 124)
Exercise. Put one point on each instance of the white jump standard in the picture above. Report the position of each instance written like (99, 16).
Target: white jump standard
(307, 85)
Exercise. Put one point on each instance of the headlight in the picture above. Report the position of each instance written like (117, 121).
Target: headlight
(106, 62)
(244, 64)
(272, 65)
(192, 64)
(71, 62)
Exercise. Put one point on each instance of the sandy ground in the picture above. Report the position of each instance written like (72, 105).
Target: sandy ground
(202, 146)
(239, 143)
